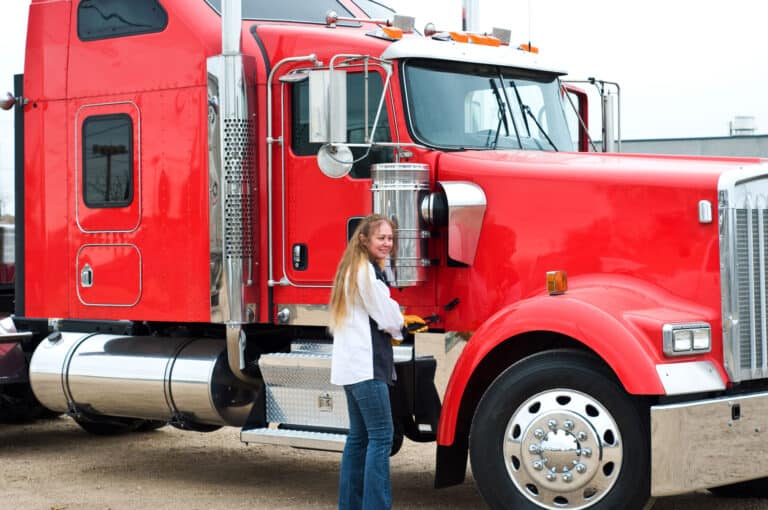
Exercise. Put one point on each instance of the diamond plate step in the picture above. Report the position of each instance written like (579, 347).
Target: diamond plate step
(297, 438)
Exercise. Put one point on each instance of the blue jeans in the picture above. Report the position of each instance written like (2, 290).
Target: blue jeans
(364, 481)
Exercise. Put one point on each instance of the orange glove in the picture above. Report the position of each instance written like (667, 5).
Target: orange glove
(415, 324)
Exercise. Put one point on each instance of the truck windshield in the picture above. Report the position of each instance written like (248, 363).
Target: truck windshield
(475, 106)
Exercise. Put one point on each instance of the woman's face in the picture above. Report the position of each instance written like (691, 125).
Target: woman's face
(380, 242)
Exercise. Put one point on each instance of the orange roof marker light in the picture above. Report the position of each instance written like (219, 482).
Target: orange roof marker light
(529, 48)
(485, 40)
(393, 32)
(459, 37)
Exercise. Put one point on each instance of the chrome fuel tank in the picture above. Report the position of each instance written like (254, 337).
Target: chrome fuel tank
(139, 377)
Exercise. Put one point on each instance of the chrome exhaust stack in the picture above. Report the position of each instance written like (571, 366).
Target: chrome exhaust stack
(186, 381)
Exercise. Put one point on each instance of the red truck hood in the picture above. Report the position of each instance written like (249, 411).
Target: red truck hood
(637, 169)
(627, 216)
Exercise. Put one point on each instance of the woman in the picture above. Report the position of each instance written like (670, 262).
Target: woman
(364, 321)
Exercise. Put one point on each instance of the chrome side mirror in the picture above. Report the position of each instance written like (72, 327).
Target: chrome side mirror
(328, 106)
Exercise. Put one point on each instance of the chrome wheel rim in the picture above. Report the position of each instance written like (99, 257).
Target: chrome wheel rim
(563, 449)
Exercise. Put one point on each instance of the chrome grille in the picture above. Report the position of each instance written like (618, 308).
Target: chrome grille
(744, 276)
(750, 286)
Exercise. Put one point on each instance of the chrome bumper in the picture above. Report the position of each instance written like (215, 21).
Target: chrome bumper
(707, 443)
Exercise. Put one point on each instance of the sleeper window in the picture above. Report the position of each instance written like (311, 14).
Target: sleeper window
(108, 161)
(103, 19)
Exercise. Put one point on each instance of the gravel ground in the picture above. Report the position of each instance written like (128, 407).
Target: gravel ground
(54, 465)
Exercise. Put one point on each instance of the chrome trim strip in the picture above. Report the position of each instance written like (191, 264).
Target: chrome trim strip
(708, 443)
(303, 314)
(466, 209)
(141, 274)
(689, 377)
(137, 190)
(309, 440)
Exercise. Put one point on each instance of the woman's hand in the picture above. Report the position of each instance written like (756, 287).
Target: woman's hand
(415, 324)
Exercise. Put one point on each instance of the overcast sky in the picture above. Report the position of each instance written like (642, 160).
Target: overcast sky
(686, 67)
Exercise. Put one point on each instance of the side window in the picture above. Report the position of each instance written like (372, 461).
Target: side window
(108, 161)
(356, 117)
(102, 19)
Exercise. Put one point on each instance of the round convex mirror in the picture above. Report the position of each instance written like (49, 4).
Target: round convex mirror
(335, 160)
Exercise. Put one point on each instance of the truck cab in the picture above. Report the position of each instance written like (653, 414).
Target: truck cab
(192, 171)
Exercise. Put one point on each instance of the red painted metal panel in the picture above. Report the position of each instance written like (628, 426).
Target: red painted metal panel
(107, 219)
(109, 275)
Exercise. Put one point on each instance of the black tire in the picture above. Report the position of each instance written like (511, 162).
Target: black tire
(109, 426)
(19, 405)
(150, 425)
(553, 410)
(750, 489)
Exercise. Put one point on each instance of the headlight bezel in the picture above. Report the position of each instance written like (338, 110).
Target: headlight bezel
(685, 339)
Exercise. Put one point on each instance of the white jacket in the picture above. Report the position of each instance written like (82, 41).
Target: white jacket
(353, 340)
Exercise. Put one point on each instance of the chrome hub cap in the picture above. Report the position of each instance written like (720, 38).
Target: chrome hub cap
(563, 449)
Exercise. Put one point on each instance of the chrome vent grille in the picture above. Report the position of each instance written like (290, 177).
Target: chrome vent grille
(751, 287)
(238, 162)
(743, 217)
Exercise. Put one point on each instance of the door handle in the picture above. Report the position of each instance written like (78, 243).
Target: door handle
(86, 276)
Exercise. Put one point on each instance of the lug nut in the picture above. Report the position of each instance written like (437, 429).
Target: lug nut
(552, 424)
(551, 476)
(538, 465)
(567, 477)
(539, 434)
(581, 468)
(534, 448)
(568, 425)
(582, 436)
(586, 452)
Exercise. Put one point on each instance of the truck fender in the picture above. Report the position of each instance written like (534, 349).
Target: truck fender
(585, 317)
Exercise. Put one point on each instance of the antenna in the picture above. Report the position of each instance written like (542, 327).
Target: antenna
(529, 24)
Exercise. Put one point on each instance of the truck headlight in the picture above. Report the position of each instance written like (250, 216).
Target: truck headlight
(690, 338)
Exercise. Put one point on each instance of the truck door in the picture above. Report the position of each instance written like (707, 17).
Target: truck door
(107, 191)
(320, 212)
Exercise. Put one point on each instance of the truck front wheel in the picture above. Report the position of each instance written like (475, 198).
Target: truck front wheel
(557, 431)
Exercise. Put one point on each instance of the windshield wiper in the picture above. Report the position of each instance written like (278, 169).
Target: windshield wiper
(502, 115)
(527, 110)
(498, 98)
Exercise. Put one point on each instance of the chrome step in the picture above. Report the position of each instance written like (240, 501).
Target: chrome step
(296, 438)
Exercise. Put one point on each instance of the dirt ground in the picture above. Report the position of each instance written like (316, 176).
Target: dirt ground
(54, 465)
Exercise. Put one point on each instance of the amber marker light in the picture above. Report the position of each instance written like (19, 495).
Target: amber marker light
(486, 40)
(529, 48)
(393, 32)
(459, 37)
(557, 282)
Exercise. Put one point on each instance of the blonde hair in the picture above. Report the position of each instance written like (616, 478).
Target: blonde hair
(355, 255)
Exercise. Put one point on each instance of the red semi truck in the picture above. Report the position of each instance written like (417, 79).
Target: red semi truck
(189, 172)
